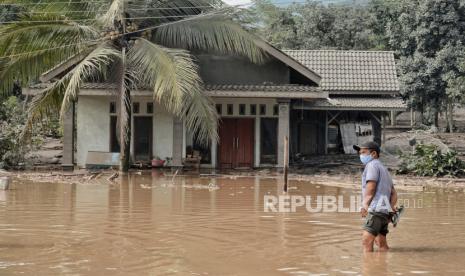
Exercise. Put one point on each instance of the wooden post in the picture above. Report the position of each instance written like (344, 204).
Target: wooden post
(326, 131)
(286, 161)
(411, 117)
(383, 129)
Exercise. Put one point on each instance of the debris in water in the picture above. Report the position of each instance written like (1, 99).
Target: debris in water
(174, 176)
(287, 268)
(210, 186)
(112, 177)
(5, 182)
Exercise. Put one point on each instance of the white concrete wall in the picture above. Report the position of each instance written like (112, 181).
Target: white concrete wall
(93, 126)
(162, 133)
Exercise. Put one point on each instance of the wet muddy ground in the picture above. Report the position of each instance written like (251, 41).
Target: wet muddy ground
(152, 224)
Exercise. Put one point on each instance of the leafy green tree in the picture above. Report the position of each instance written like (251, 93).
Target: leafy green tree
(275, 24)
(135, 44)
(384, 13)
(429, 38)
(334, 26)
(313, 25)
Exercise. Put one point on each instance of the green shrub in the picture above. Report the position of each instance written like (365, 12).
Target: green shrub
(428, 160)
(12, 119)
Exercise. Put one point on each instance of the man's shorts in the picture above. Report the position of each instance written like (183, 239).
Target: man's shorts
(377, 223)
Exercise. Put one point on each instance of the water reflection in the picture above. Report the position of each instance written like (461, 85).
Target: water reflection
(159, 225)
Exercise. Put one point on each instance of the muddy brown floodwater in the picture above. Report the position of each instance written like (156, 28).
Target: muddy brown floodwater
(150, 225)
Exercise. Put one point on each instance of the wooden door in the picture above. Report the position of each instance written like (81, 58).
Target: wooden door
(244, 143)
(227, 142)
(236, 145)
(142, 138)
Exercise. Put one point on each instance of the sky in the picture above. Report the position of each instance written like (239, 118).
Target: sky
(244, 2)
(237, 2)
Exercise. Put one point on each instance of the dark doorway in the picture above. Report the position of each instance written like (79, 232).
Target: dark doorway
(268, 140)
(203, 150)
(114, 144)
(142, 138)
(236, 144)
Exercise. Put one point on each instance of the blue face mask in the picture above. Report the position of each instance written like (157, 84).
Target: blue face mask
(365, 158)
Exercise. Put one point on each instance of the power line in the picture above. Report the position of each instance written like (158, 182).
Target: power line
(88, 11)
(161, 17)
(172, 23)
(72, 20)
(49, 3)
(118, 35)
(52, 48)
(175, 8)
(46, 21)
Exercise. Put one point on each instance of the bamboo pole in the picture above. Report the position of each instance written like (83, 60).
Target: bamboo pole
(383, 130)
(286, 162)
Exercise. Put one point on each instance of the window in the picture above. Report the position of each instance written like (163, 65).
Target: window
(253, 109)
(276, 110)
(230, 109)
(135, 108)
(242, 109)
(112, 107)
(263, 109)
(149, 108)
(219, 109)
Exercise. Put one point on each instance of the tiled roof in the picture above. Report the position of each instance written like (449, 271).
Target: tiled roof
(221, 90)
(87, 85)
(356, 103)
(351, 71)
(212, 87)
(265, 91)
(264, 87)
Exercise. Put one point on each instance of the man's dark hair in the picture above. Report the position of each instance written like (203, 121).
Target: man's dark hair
(374, 150)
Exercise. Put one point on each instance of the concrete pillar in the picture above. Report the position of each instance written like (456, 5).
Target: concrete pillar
(178, 137)
(393, 118)
(283, 128)
(67, 162)
(214, 150)
(257, 142)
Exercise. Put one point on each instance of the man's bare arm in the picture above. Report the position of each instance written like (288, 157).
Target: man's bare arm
(393, 198)
(369, 193)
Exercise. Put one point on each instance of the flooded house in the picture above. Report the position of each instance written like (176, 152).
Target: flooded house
(322, 100)
(363, 96)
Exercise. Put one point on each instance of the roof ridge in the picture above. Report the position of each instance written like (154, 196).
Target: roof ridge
(333, 50)
(260, 84)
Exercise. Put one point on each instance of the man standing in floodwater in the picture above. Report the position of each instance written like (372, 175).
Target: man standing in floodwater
(379, 197)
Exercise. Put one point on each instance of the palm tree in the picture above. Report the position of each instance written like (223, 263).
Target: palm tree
(136, 44)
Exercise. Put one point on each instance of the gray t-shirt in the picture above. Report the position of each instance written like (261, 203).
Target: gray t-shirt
(376, 171)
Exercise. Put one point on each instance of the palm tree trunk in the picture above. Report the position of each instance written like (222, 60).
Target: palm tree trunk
(125, 119)
(125, 130)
